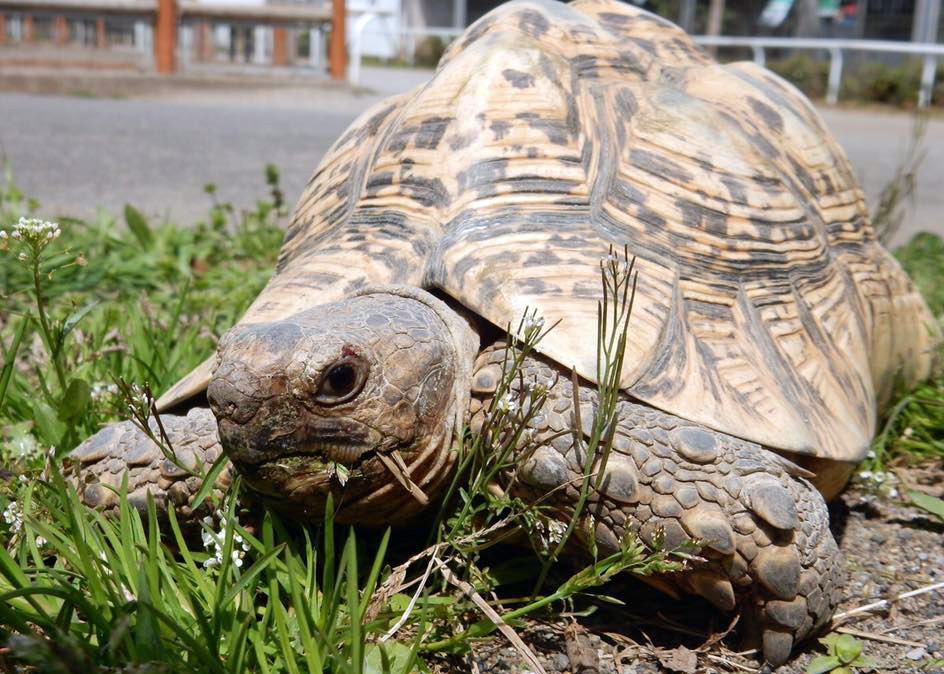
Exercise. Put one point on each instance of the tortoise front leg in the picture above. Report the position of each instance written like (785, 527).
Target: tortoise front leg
(763, 528)
(102, 461)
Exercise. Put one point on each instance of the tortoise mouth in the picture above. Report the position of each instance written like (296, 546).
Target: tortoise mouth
(348, 453)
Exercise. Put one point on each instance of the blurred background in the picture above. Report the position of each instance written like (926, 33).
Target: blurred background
(108, 102)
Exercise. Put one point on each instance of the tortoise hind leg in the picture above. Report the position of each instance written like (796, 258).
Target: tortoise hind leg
(762, 527)
(101, 462)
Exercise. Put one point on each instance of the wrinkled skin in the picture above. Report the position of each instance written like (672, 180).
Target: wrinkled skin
(323, 402)
(303, 401)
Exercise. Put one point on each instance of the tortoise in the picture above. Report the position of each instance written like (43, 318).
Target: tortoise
(769, 326)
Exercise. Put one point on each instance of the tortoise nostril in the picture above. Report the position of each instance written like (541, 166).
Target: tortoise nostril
(234, 394)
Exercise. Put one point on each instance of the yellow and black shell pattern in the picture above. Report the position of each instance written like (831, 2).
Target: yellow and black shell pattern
(766, 308)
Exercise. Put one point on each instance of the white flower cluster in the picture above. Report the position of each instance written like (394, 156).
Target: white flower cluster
(36, 234)
(33, 230)
(13, 516)
(550, 534)
(102, 391)
(214, 541)
(881, 481)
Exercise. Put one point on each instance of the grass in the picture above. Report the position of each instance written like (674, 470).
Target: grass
(94, 312)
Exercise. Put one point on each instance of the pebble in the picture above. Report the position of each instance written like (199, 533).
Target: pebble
(916, 653)
(560, 662)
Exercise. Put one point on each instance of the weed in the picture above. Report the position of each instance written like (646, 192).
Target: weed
(844, 656)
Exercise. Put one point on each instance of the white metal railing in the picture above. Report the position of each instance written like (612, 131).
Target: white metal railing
(836, 47)
(357, 33)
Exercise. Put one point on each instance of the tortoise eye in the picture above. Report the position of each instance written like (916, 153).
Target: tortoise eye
(342, 381)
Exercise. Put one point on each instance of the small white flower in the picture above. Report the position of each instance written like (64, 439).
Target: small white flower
(907, 433)
(214, 541)
(103, 391)
(532, 324)
(13, 516)
(23, 479)
(870, 454)
(865, 474)
(892, 493)
(506, 404)
(40, 541)
(550, 533)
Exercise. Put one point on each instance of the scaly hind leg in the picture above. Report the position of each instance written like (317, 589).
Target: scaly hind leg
(101, 462)
(763, 528)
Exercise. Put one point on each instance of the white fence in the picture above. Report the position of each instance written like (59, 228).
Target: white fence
(835, 47)
(931, 52)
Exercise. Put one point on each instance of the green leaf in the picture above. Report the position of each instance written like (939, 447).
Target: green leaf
(138, 226)
(10, 359)
(210, 480)
(932, 504)
(76, 400)
(822, 664)
(848, 648)
(392, 657)
(73, 319)
(50, 427)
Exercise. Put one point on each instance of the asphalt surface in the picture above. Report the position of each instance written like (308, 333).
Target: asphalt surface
(76, 155)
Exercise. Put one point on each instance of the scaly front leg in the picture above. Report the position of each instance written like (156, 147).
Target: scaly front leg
(119, 449)
(763, 528)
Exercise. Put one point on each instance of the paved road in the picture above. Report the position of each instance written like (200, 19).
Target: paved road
(78, 154)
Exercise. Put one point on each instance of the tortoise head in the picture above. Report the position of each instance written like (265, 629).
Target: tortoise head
(357, 399)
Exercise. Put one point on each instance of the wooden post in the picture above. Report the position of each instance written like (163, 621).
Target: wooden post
(28, 29)
(3, 29)
(165, 37)
(60, 31)
(279, 46)
(101, 37)
(337, 55)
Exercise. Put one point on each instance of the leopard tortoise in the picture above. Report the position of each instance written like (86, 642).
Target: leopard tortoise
(769, 324)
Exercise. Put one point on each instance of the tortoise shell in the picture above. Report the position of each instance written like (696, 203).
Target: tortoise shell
(765, 308)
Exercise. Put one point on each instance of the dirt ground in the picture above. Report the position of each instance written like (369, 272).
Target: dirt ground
(890, 548)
